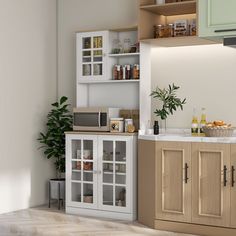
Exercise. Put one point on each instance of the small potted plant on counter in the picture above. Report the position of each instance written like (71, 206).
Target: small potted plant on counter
(59, 120)
(169, 101)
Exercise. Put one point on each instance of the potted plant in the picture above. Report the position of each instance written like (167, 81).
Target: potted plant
(169, 101)
(59, 120)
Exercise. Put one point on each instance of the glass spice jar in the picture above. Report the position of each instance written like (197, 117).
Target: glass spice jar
(171, 30)
(136, 71)
(119, 72)
(115, 72)
(127, 72)
(160, 31)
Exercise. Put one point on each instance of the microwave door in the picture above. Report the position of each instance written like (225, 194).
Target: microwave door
(90, 121)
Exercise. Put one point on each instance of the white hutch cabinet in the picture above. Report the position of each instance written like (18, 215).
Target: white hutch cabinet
(96, 59)
(101, 175)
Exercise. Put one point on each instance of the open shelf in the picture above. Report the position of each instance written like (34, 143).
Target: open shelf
(178, 41)
(124, 54)
(171, 9)
(96, 81)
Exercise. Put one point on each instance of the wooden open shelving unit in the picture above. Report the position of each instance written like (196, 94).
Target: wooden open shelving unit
(151, 14)
(178, 41)
(171, 9)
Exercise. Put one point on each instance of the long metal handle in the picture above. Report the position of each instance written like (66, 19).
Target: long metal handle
(232, 176)
(186, 173)
(224, 30)
(99, 119)
(225, 176)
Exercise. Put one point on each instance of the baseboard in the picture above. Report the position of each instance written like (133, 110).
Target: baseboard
(100, 213)
(202, 230)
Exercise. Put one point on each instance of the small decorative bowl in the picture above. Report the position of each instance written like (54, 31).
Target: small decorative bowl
(218, 131)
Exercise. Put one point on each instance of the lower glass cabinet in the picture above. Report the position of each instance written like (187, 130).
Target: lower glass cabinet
(101, 175)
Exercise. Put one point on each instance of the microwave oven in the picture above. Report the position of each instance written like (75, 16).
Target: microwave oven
(93, 118)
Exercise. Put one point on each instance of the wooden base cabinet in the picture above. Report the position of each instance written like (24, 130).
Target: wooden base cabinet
(210, 184)
(233, 186)
(101, 175)
(195, 189)
(173, 185)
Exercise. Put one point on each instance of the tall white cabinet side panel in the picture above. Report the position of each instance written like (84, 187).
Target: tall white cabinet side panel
(145, 85)
(81, 89)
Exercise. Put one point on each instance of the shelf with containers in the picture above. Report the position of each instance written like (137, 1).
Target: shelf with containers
(171, 21)
(98, 54)
(101, 175)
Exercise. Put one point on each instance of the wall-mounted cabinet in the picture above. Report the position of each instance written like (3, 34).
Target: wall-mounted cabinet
(108, 68)
(169, 24)
(217, 18)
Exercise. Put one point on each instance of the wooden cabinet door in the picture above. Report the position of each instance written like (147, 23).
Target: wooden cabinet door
(173, 181)
(233, 187)
(216, 18)
(210, 191)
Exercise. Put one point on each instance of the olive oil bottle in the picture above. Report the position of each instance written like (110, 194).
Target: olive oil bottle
(203, 122)
(194, 127)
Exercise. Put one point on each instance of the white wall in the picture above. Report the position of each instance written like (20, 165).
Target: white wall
(27, 87)
(84, 15)
(207, 77)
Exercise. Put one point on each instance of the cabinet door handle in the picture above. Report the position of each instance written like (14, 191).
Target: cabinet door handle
(224, 30)
(225, 175)
(99, 119)
(232, 176)
(186, 173)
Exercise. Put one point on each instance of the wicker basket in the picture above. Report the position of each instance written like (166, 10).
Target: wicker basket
(218, 131)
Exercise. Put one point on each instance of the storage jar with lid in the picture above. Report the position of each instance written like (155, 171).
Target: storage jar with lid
(117, 125)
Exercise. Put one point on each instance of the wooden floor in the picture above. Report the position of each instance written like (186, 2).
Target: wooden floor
(41, 221)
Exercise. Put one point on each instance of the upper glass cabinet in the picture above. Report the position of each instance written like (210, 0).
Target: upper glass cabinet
(91, 51)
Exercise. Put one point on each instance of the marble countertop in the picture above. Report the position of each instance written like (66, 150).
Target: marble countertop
(185, 136)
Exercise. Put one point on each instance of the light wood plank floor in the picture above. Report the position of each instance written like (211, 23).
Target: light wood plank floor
(44, 222)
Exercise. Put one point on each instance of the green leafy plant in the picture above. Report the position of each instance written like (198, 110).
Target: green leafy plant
(59, 120)
(169, 99)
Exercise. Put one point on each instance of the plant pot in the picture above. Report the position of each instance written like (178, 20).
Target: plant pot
(57, 188)
(56, 191)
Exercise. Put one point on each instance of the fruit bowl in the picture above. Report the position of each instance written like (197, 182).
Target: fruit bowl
(218, 131)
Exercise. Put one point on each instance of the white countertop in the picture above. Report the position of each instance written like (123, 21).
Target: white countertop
(185, 136)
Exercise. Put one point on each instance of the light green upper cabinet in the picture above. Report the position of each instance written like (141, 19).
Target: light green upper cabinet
(216, 18)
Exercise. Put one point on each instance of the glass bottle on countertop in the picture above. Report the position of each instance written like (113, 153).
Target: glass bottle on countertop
(194, 127)
(203, 121)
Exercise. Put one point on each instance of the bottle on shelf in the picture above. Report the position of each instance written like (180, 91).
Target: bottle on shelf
(156, 127)
(203, 121)
(194, 126)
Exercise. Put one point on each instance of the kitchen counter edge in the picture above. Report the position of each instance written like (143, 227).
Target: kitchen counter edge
(187, 138)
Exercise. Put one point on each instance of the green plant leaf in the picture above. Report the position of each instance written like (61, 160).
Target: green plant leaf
(63, 99)
(169, 100)
(59, 120)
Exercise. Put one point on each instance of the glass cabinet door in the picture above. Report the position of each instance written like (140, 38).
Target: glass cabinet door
(83, 171)
(92, 55)
(114, 177)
